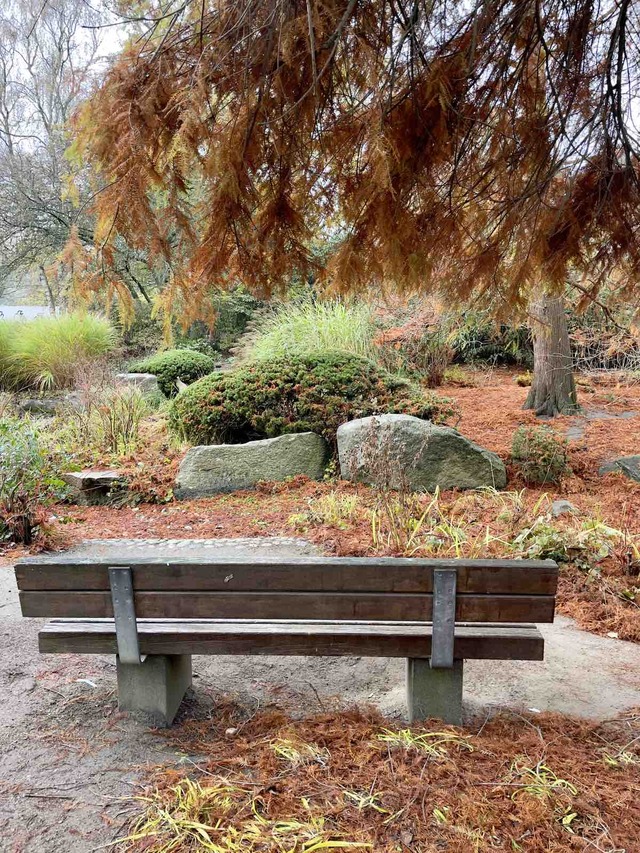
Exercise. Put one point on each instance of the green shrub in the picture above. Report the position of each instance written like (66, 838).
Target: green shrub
(474, 337)
(28, 480)
(540, 454)
(171, 365)
(458, 376)
(314, 393)
(313, 327)
(234, 309)
(200, 343)
(524, 380)
(46, 353)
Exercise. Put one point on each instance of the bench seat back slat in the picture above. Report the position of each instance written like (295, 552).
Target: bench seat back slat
(283, 605)
(331, 574)
(187, 579)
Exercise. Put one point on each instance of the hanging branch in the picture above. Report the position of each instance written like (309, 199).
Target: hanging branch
(479, 148)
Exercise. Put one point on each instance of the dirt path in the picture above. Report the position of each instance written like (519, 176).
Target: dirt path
(67, 755)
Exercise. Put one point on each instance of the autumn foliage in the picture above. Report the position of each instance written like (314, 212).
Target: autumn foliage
(481, 148)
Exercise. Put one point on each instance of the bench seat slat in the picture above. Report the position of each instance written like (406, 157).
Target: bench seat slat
(338, 574)
(300, 605)
(289, 637)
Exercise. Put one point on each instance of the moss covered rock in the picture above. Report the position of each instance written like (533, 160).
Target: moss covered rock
(402, 452)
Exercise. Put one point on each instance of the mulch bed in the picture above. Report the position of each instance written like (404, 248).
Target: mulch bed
(269, 782)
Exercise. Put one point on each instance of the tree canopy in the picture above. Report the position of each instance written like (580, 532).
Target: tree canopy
(481, 146)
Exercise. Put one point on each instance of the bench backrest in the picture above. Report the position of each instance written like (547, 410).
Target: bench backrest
(323, 588)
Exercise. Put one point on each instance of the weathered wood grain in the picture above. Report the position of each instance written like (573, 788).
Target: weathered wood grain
(334, 574)
(288, 637)
(297, 605)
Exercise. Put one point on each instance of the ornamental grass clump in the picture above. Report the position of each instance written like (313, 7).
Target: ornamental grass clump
(44, 353)
(7, 333)
(303, 327)
(311, 393)
(171, 366)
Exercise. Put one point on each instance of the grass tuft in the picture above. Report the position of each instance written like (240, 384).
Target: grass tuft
(536, 785)
(46, 353)
(304, 327)
(434, 744)
(225, 818)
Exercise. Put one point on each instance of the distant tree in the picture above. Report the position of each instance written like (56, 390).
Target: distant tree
(482, 148)
(50, 56)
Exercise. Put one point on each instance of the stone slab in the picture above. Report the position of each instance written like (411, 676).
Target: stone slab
(92, 488)
(563, 507)
(627, 465)
(146, 382)
(212, 469)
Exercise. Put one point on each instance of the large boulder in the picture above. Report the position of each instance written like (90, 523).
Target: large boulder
(627, 465)
(215, 468)
(402, 451)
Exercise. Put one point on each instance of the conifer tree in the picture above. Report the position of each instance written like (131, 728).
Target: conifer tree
(486, 149)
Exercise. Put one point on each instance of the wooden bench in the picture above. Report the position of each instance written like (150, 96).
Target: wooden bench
(173, 602)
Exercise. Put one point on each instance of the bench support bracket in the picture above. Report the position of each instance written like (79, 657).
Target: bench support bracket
(155, 688)
(124, 614)
(444, 618)
(434, 692)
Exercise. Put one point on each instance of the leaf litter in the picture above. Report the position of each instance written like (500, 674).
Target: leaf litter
(543, 784)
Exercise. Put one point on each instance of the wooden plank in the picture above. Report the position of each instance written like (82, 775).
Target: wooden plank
(300, 605)
(287, 637)
(339, 574)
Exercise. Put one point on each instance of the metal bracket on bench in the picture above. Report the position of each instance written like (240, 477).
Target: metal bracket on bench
(124, 613)
(443, 618)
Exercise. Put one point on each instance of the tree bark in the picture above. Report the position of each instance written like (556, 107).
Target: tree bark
(52, 300)
(553, 389)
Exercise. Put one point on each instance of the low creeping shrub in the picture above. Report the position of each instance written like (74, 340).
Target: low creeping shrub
(185, 365)
(540, 454)
(313, 393)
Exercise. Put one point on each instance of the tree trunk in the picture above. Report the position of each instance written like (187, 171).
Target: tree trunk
(52, 300)
(553, 389)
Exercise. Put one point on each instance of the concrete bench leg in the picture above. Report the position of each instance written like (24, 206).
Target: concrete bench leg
(155, 687)
(434, 692)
